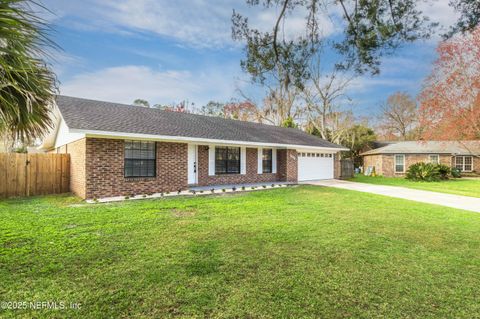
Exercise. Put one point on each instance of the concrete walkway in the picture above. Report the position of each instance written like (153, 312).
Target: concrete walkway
(449, 200)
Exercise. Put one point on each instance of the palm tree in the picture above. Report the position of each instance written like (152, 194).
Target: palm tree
(27, 85)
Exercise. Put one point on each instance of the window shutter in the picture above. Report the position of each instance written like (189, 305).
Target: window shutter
(260, 161)
(211, 160)
(274, 160)
(243, 160)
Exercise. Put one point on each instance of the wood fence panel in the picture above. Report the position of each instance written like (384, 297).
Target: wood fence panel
(3, 175)
(346, 169)
(34, 174)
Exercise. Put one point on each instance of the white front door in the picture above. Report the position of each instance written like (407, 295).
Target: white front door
(312, 165)
(192, 164)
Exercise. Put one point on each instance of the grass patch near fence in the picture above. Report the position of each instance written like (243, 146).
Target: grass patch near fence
(299, 252)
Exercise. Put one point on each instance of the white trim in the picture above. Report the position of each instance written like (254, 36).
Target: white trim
(211, 160)
(430, 158)
(463, 162)
(120, 135)
(64, 136)
(260, 160)
(395, 163)
(243, 160)
(274, 160)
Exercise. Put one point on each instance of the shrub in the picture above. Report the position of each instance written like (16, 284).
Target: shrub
(243, 188)
(444, 171)
(456, 173)
(234, 188)
(423, 172)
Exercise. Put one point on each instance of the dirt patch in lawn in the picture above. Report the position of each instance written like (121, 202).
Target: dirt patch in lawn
(182, 213)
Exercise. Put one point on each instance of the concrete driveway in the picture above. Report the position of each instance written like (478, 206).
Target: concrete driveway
(449, 200)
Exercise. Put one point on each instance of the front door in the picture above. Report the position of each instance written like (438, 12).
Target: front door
(192, 164)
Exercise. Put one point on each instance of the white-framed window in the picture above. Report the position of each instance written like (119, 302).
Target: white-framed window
(464, 163)
(434, 158)
(399, 163)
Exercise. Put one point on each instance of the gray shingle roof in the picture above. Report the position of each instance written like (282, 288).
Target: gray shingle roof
(83, 114)
(429, 147)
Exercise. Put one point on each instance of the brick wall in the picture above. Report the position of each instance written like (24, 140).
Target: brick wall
(105, 170)
(287, 167)
(337, 168)
(77, 165)
(375, 161)
(251, 175)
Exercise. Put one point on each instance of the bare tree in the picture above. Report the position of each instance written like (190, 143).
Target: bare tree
(281, 103)
(399, 116)
(325, 98)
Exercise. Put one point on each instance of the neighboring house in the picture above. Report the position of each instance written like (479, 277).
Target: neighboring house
(120, 150)
(395, 158)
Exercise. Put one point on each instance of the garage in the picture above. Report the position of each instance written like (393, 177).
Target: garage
(313, 166)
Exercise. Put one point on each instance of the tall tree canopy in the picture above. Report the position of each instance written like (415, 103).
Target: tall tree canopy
(450, 99)
(371, 29)
(469, 11)
(27, 85)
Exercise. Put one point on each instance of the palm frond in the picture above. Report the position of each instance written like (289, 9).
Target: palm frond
(27, 84)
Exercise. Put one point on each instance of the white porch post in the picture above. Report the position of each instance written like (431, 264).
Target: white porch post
(211, 160)
(243, 160)
(259, 161)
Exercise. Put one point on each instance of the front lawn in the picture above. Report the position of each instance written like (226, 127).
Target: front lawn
(310, 252)
(457, 186)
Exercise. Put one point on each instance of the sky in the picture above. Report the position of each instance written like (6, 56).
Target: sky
(168, 51)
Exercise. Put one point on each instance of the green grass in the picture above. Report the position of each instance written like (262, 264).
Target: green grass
(458, 186)
(300, 252)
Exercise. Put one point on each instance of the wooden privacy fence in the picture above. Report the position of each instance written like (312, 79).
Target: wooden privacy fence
(34, 174)
(346, 168)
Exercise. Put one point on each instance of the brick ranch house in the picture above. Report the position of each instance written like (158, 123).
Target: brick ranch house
(124, 150)
(394, 158)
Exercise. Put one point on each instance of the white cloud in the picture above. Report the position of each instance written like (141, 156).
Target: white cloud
(199, 23)
(124, 84)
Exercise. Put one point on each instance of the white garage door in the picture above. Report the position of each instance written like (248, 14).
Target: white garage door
(314, 166)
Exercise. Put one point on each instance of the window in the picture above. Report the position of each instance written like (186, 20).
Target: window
(434, 158)
(399, 163)
(267, 160)
(140, 159)
(227, 160)
(464, 163)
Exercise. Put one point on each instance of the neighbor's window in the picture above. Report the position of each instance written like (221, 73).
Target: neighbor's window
(399, 163)
(227, 160)
(267, 160)
(434, 158)
(140, 159)
(464, 163)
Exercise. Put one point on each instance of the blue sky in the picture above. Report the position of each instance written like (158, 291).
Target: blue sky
(168, 51)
